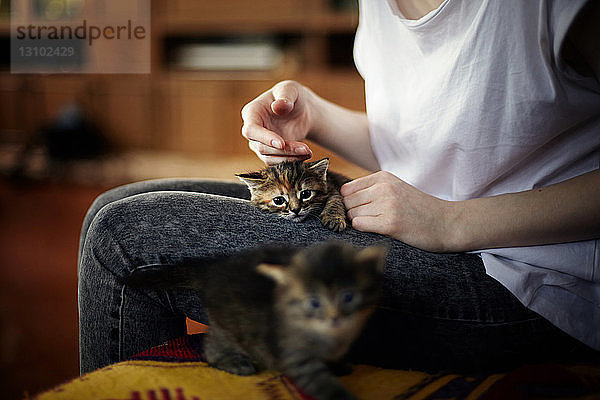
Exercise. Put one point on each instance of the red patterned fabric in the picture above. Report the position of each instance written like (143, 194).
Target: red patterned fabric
(183, 349)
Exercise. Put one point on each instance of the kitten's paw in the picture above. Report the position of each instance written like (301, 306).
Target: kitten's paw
(336, 223)
(237, 364)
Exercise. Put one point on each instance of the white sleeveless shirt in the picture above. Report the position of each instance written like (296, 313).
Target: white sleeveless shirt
(474, 100)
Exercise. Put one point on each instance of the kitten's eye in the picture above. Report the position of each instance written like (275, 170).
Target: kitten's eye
(314, 302)
(279, 201)
(305, 194)
(347, 296)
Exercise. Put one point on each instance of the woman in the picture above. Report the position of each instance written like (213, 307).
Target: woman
(483, 132)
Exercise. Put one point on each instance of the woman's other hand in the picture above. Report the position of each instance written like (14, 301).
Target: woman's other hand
(382, 203)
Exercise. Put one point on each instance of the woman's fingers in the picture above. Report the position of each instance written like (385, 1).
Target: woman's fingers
(368, 204)
(284, 95)
(360, 184)
(291, 148)
(365, 190)
(274, 160)
(358, 198)
(364, 210)
(370, 223)
(257, 133)
(292, 151)
(281, 107)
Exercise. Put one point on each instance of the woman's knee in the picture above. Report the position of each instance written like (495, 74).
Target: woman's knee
(102, 200)
(100, 243)
(115, 194)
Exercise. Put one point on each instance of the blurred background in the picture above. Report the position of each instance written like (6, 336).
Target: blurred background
(65, 138)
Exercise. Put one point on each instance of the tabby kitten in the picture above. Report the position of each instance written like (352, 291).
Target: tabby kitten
(281, 308)
(295, 190)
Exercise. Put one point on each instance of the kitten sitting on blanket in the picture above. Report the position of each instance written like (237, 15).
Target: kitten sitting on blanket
(295, 190)
(281, 308)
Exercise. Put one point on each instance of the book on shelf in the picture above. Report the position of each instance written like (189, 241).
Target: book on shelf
(228, 56)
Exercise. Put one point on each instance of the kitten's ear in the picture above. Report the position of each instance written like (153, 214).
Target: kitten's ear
(373, 255)
(274, 271)
(252, 179)
(319, 167)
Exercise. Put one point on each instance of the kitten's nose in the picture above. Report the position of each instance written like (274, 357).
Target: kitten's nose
(296, 210)
(334, 317)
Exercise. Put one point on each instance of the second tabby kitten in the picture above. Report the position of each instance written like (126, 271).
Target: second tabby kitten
(283, 308)
(295, 190)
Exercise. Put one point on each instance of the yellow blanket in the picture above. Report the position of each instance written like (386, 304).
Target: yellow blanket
(152, 380)
(176, 371)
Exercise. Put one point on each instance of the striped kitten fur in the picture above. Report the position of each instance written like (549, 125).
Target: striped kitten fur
(295, 190)
(281, 308)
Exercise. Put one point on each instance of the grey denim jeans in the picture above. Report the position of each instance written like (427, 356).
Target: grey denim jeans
(439, 311)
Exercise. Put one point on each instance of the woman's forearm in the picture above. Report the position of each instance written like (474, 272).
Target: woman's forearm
(344, 131)
(564, 212)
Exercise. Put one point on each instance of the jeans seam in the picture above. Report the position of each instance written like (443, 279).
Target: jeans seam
(595, 253)
(139, 268)
(169, 301)
(121, 319)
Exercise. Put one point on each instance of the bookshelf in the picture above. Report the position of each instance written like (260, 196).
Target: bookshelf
(190, 110)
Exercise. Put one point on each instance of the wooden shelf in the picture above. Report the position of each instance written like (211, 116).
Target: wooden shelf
(302, 27)
(185, 16)
(193, 112)
(311, 24)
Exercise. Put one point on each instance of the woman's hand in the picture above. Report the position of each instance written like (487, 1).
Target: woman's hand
(276, 122)
(384, 204)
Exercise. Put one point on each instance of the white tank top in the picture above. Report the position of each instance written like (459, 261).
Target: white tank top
(474, 100)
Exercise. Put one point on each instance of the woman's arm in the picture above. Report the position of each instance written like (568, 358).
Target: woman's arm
(564, 212)
(345, 132)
